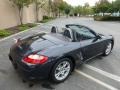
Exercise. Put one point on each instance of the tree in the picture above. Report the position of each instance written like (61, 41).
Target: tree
(54, 8)
(67, 10)
(86, 5)
(77, 10)
(38, 4)
(49, 6)
(116, 5)
(20, 4)
(95, 8)
(102, 6)
(87, 9)
(62, 7)
(59, 7)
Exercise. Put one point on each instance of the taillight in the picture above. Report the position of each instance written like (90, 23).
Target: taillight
(35, 59)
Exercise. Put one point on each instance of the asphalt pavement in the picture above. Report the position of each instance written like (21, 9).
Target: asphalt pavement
(100, 73)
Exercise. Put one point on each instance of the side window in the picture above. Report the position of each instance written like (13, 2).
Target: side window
(78, 36)
(84, 34)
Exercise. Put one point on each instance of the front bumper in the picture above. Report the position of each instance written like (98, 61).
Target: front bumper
(32, 72)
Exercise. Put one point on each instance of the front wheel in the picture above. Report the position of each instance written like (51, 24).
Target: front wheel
(61, 70)
(108, 49)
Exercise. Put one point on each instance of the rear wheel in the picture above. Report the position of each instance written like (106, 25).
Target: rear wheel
(108, 49)
(13, 62)
(14, 65)
(61, 70)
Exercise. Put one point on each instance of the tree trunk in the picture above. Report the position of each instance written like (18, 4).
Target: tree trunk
(59, 13)
(119, 13)
(103, 13)
(37, 13)
(67, 16)
(21, 15)
(49, 8)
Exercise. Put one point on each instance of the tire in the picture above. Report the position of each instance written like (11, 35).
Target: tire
(14, 65)
(61, 70)
(108, 49)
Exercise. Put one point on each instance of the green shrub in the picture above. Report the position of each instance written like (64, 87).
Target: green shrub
(23, 27)
(71, 15)
(46, 19)
(75, 14)
(4, 33)
(106, 18)
(26, 26)
(32, 25)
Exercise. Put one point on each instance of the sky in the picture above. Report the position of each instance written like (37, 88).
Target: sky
(81, 2)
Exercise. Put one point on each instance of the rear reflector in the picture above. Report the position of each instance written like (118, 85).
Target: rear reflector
(35, 59)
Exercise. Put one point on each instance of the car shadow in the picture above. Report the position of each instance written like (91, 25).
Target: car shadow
(47, 84)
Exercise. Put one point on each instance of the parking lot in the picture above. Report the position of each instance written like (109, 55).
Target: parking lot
(101, 73)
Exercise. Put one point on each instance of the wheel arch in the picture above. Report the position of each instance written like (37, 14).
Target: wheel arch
(66, 56)
(73, 61)
(112, 43)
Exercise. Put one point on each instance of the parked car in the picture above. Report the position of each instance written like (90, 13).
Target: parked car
(55, 55)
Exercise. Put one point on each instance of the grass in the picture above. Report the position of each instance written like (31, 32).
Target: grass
(23, 27)
(16, 29)
(4, 33)
(46, 19)
(26, 26)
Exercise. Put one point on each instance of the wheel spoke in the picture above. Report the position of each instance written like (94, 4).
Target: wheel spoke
(62, 70)
(108, 50)
(58, 74)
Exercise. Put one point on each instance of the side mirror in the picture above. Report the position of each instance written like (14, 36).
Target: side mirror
(98, 36)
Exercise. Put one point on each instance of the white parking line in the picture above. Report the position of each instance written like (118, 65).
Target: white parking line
(96, 80)
(109, 75)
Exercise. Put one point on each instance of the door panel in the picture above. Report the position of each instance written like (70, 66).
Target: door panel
(92, 48)
(91, 45)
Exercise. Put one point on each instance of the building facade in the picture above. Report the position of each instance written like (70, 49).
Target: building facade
(9, 15)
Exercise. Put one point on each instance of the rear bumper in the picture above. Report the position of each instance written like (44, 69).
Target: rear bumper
(32, 72)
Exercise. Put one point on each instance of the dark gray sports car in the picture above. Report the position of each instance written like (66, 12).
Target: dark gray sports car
(56, 54)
